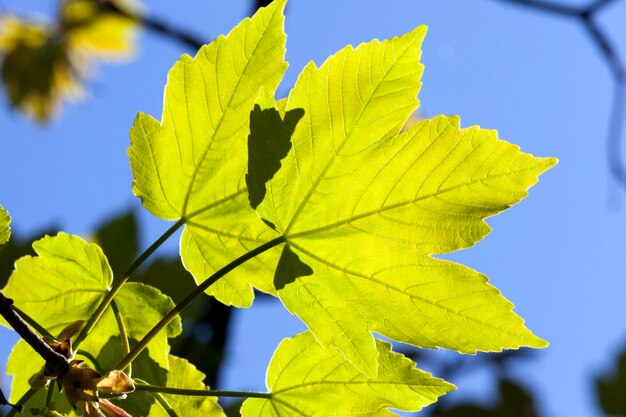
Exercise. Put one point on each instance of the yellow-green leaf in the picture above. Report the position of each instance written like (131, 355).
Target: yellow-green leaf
(5, 229)
(183, 374)
(65, 283)
(305, 379)
(191, 165)
(363, 207)
(99, 33)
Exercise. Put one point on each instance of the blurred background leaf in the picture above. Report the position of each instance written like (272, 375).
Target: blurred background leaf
(611, 388)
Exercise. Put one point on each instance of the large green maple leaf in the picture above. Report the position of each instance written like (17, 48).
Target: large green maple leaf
(362, 209)
(5, 230)
(191, 165)
(305, 379)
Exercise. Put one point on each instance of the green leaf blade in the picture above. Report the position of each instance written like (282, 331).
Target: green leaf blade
(5, 230)
(68, 275)
(366, 212)
(183, 374)
(356, 97)
(306, 379)
(193, 163)
(64, 283)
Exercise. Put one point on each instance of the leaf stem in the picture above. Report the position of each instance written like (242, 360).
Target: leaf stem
(159, 398)
(94, 361)
(33, 323)
(201, 392)
(123, 334)
(163, 402)
(117, 285)
(192, 295)
(50, 395)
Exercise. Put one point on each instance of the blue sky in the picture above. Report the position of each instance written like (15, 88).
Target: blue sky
(537, 79)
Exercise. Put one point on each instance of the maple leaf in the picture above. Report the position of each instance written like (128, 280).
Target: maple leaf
(362, 209)
(63, 284)
(305, 379)
(361, 205)
(192, 164)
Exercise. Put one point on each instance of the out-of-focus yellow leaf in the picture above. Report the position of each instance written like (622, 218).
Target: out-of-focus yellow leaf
(37, 71)
(98, 32)
(43, 64)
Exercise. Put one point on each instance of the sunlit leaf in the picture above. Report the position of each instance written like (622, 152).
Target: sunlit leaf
(305, 379)
(364, 207)
(192, 164)
(5, 229)
(64, 283)
(183, 374)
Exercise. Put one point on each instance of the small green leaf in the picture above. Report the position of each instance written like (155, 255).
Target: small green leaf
(63, 284)
(192, 164)
(5, 230)
(183, 374)
(305, 379)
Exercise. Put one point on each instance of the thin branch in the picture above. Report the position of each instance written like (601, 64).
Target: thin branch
(154, 24)
(139, 347)
(4, 401)
(117, 285)
(601, 40)
(201, 392)
(614, 135)
(56, 360)
(558, 9)
(585, 16)
(598, 5)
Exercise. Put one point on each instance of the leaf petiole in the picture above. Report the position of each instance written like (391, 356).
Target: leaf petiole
(163, 403)
(94, 362)
(117, 285)
(135, 351)
(201, 392)
(32, 323)
(123, 335)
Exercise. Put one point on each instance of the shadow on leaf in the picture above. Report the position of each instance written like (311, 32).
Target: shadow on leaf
(289, 268)
(269, 142)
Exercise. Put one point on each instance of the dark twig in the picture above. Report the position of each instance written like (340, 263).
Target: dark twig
(4, 401)
(56, 360)
(606, 48)
(558, 9)
(586, 17)
(616, 126)
(155, 25)
(599, 4)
